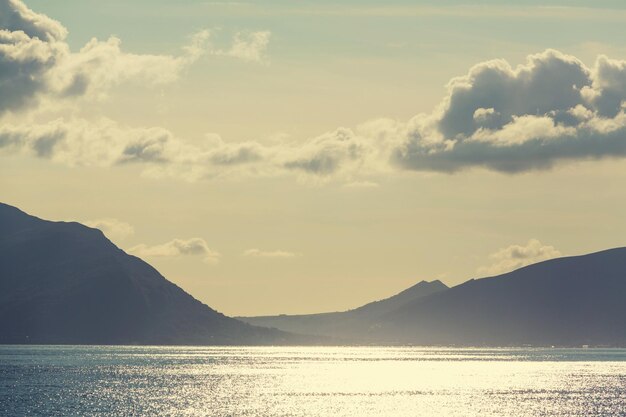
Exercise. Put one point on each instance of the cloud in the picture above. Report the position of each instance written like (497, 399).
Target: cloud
(178, 247)
(101, 65)
(250, 46)
(36, 61)
(516, 256)
(26, 61)
(15, 16)
(112, 228)
(103, 143)
(549, 110)
(343, 153)
(274, 254)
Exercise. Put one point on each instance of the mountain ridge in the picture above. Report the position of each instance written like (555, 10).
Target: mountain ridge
(570, 301)
(346, 325)
(63, 282)
(66, 283)
(566, 301)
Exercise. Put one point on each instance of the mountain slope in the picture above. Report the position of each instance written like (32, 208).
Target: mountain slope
(352, 325)
(567, 301)
(67, 283)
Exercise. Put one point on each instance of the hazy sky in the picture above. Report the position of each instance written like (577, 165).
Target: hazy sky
(292, 157)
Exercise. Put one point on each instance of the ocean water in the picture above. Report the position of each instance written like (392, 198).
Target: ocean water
(310, 381)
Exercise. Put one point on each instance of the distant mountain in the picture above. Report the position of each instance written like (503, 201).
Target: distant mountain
(418, 291)
(67, 283)
(569, 301)
(352, 325)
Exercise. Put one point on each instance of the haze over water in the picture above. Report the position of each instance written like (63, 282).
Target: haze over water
(315, 381)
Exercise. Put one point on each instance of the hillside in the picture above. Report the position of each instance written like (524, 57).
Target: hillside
(62, 282)
(568, 301)
(65, 283)
(352, 325)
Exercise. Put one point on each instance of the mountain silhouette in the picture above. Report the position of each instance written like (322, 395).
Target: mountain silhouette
(352, 325)
(571, 301)
(63, 282)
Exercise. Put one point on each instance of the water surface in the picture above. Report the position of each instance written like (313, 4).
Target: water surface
(310, 381)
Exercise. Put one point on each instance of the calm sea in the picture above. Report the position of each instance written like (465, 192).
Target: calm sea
(310, 381)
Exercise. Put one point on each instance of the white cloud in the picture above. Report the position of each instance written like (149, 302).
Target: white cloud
(100, 65)
(482, 115)
(112, 228)
(516, 256)
(178, 247)
(15, 16)
(36, 61)
(79, 142)
(547, 111)
(105, 143)
(250, 46)
(272, 254)
(550, 110)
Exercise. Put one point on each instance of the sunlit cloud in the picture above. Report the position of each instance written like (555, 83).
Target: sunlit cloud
(548, 111)
(178, 247)
(36, 61)
(78, 142)
(112, 228)
(516, 256)
(271, 254)
(250, 46)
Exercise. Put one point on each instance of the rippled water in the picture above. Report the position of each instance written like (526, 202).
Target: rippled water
(292, 381)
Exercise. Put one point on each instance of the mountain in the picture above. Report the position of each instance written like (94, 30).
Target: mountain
(62, 282)
(572, 301)
(352, 325)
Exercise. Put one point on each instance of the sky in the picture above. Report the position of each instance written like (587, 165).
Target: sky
(298, 157)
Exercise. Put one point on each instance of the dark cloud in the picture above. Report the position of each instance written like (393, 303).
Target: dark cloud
(41, 141)
(151, 146)
(24, 64)
(329, 153)
(237, 154)
(548, 82)
(31, 44)
(540, 152)
(320, 164)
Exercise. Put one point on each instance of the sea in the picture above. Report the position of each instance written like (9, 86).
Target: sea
(310, 381)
